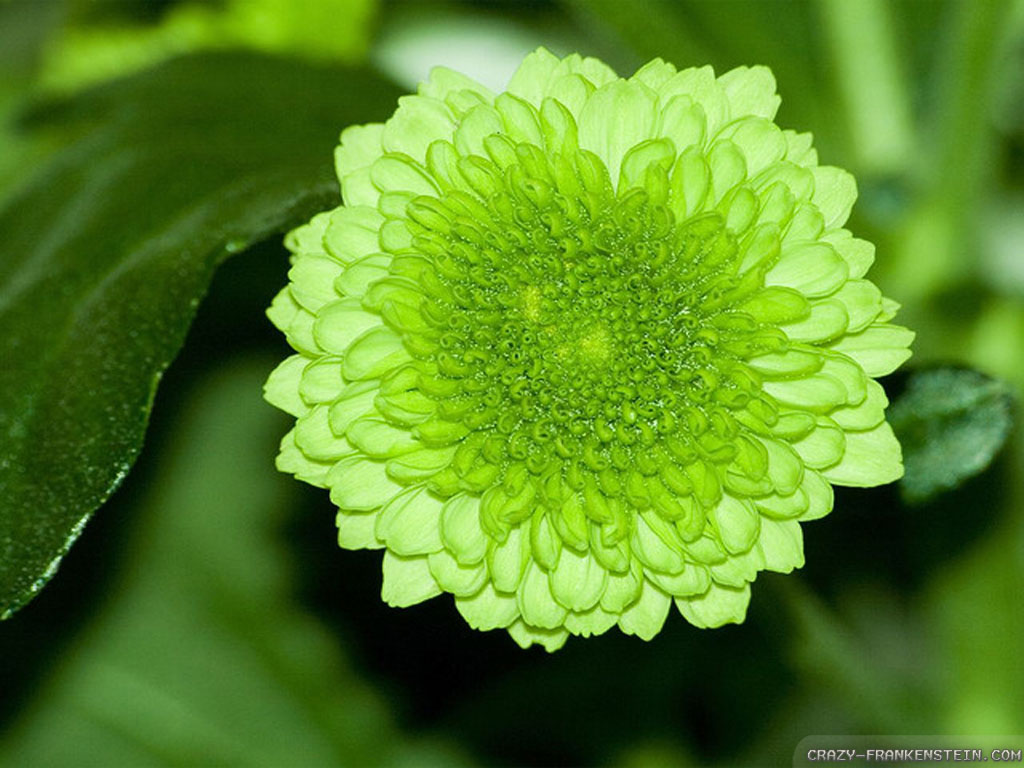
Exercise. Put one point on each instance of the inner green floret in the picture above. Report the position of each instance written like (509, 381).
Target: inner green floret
(578, 340)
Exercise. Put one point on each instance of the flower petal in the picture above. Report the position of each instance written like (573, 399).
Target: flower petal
(633, 108)
(835, 192)
(593, 622)
(359, 148)
(407, 581)
(622, 590)
(353, 233)
(294, 462)
(507, 560)
(701, 86)
(373, 354)
(531, 78)
(460, 580)
(760, 141)
(488, 608)
(872, 457)
(525, 635)
(878, 349)
(417, 122)
(692, 580)
(410, 523)
(645, 617)
(340, 323)
(360, 273)
(322, 381)
(863, 302)
(718, 606)
(461, 531)
(782, 545)
(812, 268)
(578, 581)
(537, 605)
(356, 530)
(736, 522)
(313, 434)
(282, 387)
(358, 483)
(443, 81)
(751, 91)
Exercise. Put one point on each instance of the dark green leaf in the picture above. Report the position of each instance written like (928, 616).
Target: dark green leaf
(200, 655)
(951, 424)
(105, 256)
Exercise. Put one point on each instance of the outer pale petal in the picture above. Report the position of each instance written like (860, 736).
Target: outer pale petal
(751, 91)
(615, 118)
(701, 86)
(460, 580)
(356, 530)
(872, 457)
(282, 387)
(578, 581)
(525, 635)
(295, 462)
(443, 81)
(360, 146)
(359, 483)
(410, 523)
(782, 545)
(316, 439)
(541, 72)
(596, 621)
(359, 274)
(488, 608)
(373, 354)
(417, 122)
(536, 603)
(531, 78)
(321, 381)
(835, 192)
(407, 581)
(309, 238)
(878, 349)
(645, 617)
(760, 141)
(353, 232)
(340, 323)
(720, 605)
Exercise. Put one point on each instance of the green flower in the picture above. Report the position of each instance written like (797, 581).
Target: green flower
(585, 348)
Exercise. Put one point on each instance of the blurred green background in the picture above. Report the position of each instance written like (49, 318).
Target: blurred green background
(206, 616)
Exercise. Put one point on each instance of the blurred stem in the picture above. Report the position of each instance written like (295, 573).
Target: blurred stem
(871, 82)
(956, 161)
(830, 654)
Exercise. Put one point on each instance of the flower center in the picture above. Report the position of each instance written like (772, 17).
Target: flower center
(587, 335)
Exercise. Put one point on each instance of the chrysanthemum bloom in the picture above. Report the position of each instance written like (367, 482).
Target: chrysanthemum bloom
(585, 348)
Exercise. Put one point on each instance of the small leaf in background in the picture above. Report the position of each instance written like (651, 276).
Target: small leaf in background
(951, 424)
(200, 655)
(106, 254)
